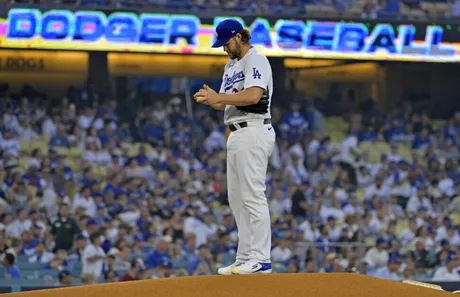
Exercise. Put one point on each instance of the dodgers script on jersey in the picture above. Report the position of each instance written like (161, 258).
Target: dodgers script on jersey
(253, 70)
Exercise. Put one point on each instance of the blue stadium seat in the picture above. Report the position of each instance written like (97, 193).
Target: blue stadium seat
(30, 274)
(29, 266)
(22, 282)
(22, 259)
(77, 282)
(53, 273)
(180, 264)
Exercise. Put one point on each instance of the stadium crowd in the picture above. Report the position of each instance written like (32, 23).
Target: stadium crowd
(83, 198)
(368, 9)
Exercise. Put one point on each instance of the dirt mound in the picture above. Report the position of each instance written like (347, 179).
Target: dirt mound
(274, 285)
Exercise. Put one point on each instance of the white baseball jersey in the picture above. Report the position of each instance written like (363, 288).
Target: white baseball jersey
(253, 70)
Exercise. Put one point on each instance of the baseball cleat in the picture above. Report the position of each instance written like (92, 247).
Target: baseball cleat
(228, 270)
(253, 267)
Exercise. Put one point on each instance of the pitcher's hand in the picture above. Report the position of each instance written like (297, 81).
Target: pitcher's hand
(206, 95)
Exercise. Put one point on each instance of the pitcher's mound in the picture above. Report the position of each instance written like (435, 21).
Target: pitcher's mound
(273, 285)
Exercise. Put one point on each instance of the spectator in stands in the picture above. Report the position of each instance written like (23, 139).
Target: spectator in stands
(322, 240)
(60, 139)
(11, 121)
(21, 224)
(455, 8)
(370, 11)
(349, 154)
(48, 126)
(85, 201)
(28, 243)
(9, 144)
(11, 270)
(377, 257)
(300, 200)
(64, 229)
(408, 234)
(135, 272)
(16, 247)
(153, 132)
(88, 279)
(449, 272)
(334, 230)
(420, 255)
(3, 246)
(110, 276)
(164, 270)
(315, 119)
(278, 205)
(93, 257)
(80, 244)
(41, 254)
(65, 278)
(391, 271)
(204, 263)
(422, 139)
(294, 122)
(161, 253)
(282, 252)
(392, 7)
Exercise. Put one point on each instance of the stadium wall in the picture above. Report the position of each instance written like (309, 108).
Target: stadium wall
(274, 285)
(447, 286)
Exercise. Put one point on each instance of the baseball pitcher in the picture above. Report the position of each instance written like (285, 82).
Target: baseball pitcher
(245, 96)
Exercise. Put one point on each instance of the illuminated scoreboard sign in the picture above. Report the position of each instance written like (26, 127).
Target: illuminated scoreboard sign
(186, 34)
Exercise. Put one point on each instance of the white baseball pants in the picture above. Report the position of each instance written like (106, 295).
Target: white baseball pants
(248, 153)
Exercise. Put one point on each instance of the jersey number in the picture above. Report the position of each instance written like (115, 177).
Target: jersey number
(256, 74)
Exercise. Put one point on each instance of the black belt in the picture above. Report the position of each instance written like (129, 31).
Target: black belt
(245, 124)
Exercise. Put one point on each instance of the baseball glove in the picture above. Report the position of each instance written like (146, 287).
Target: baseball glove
(260, 108)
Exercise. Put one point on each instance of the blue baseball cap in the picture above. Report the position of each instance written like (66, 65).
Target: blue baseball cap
(394, 260)
(166, 264)
(226, 30)
(380, 240)
(91, 222)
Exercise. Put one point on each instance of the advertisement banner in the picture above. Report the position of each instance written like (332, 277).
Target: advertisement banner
(43, 61)
(129, 64)
(188, 34)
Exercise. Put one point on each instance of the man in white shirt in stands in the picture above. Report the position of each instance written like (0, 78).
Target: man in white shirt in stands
(41, 254)
(282, 252)
(419, 199)
(132, 214)
(93, 257)
(11, 121)
(408, 234)
(349, 152)
(203, 229)
(377, 256)
(19, 225)
(84, 199)
(86, 119)
(10, 144)
(390, 271)
(377, 188)
(450, 272)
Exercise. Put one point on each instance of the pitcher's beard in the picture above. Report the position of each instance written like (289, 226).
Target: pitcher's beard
(236, 54)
